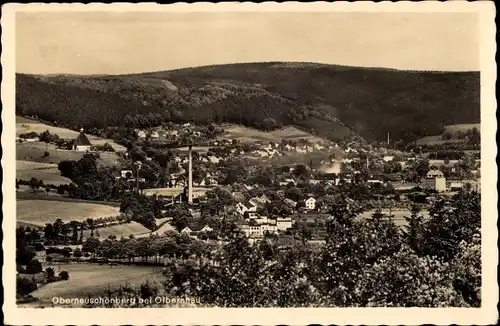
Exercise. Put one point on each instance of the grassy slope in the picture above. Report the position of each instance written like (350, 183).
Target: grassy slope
(370, 101)
(40, 212)
(245, 134)
(24, 125)
(35, 152)
(119, 230)
(437, 139)
(93, 279)
(48, 173)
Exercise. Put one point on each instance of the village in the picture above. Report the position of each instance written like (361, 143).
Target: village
(267, 195)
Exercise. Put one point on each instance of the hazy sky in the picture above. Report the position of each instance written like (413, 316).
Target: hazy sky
(114, 43)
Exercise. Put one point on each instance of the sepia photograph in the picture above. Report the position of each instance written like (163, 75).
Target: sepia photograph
(249, 156)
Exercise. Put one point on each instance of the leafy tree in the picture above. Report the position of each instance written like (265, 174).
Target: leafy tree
(91, 245)
(50, 275)
(33, 267)
(64, 276)
(407, 280)
(25, 286)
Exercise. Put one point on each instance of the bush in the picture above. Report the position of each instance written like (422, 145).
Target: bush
(50, 274)
(64, 276)
(25, 286)
(34, 267)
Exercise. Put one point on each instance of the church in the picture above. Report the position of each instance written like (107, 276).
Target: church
(81, 143)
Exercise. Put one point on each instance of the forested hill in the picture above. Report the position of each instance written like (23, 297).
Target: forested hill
(332, 101)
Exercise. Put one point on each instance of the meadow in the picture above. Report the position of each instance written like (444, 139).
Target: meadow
(250, 135)
(438, 140)
(40, 212)
(35, 152)
(397, 215)
(24, 125)
(119, 230)
(173, 191)
(48, 173)
(93, 279)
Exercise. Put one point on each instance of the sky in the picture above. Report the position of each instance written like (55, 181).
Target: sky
(118, 43)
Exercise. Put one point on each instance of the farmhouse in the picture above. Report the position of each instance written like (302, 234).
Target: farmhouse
(434, 180)
(311, 203)
(81, 143)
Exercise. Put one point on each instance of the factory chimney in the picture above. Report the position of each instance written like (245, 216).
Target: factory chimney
(190, 175)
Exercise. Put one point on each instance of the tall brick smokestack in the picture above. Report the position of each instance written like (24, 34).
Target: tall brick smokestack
(190, 175)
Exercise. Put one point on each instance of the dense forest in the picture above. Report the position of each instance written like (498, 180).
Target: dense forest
(330, 101)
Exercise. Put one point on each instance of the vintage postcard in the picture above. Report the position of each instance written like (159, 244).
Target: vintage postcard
(242, 163)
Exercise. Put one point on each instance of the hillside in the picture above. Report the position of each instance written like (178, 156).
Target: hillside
(332, 101)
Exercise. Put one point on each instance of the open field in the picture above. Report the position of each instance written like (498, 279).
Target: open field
(28, 194)
(245, 134)
(293, 158)
(34, 152)
(197, 191)
(92, 279)
(462, 127)
(437, 139)
(48, 173)
(398, 215)
(24, 125)
(40, 212)
(164, 228)
(118, 230)
(199, 149)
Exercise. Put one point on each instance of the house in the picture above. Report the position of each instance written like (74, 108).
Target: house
(81, 143)
(268, 228)
(318, 147)
(454, 184)
(140, 133)
(243, 208)
(310, 203)
(195, 229)
(261, 220)
(388, 158)
(284, 224)
(261, 153)
(434, 180)
(30, 137)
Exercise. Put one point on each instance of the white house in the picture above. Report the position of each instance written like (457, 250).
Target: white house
(242, 208)
(388, 158)
(435, 180)
(318, 147)
(310, 203)
(284, 224)
(140, 133)
(214, 159)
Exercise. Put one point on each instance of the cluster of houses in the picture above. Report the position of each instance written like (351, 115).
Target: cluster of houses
(436, 180)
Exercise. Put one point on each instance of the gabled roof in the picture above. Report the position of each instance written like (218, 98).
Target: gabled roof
(434, 173)
(82, 140)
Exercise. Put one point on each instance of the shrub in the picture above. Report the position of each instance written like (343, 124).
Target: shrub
(64, 276)
(34, 267)
(25, 286)
(50, 274)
